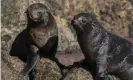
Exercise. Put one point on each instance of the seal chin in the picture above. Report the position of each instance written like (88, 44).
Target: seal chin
(35, 18)
(77, 26)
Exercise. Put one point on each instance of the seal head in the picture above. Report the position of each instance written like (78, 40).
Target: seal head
(37, 14)
(83, 21)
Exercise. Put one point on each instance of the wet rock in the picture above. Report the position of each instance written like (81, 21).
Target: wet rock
(69, 59)
(130, 39)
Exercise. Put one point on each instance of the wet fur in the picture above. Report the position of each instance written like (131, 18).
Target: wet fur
(39, 39)
(105, 52)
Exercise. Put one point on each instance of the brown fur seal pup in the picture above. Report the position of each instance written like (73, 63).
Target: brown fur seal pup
(39, 39)
(106, 53)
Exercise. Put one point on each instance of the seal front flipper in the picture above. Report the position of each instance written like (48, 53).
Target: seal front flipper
(32, 60)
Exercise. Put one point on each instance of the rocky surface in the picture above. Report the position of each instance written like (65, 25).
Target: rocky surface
(78, 74)
(115, 15)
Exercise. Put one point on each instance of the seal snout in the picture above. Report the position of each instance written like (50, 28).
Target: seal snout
(36, 16)
(74, 22)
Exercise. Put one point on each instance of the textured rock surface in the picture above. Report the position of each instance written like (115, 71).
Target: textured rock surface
(78, 74)
(115, 15)
(48, 70)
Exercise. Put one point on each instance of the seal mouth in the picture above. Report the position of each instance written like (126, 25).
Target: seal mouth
(76, 23)
(77, 26)
(36, 16)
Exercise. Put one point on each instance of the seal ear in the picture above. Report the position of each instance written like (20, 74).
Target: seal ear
(93, 16)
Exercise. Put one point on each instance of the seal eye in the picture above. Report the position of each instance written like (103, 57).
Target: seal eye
(84, 20)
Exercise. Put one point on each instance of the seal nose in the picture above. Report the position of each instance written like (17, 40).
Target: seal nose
(36, 16)
(73, 21)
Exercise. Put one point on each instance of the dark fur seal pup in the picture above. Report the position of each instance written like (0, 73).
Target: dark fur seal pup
(106, 53)
(39, 39)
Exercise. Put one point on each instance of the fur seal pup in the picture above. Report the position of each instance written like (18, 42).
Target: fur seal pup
(105, 52)
(39, 39)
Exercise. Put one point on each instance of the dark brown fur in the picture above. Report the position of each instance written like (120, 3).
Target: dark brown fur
(39, 39)
(106, 53)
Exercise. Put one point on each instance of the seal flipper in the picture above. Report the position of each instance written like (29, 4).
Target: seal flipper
(32, 74)
(32, 60)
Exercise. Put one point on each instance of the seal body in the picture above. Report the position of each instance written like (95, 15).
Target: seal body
(105, 52)
(45, 37)
(39, 39)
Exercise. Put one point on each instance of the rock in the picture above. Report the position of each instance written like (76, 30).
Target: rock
(78, 74)
(130, 39)
(69, 59)
(48, 70)
(14, 21)
(122, 14)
